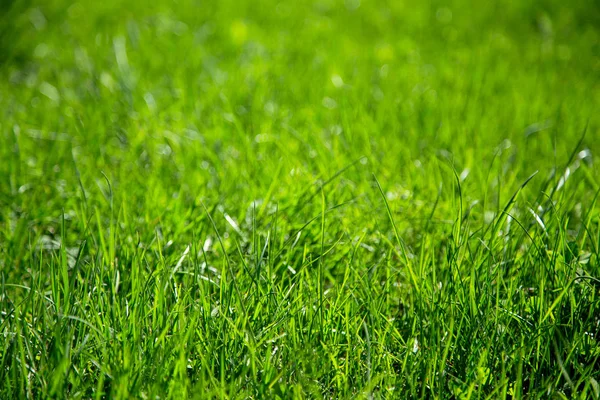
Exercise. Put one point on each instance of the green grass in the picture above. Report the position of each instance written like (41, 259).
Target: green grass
(311, 199)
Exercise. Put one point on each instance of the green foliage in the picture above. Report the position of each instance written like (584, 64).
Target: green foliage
(320, 199)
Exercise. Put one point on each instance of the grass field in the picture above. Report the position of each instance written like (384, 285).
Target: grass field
(306, 199)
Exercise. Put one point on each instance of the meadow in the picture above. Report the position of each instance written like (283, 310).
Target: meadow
(366, 199)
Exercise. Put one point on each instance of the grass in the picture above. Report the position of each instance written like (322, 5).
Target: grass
(321, 199)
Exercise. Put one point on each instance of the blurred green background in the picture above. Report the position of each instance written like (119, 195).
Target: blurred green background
(221, 98)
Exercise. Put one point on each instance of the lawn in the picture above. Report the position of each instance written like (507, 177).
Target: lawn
(299, 199)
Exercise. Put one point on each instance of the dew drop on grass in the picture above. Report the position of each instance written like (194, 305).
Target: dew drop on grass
(415, 347)
(337, 81)
(41, 51)
(329, 103)
(37, 18)
(150, 102)
(50, 91)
